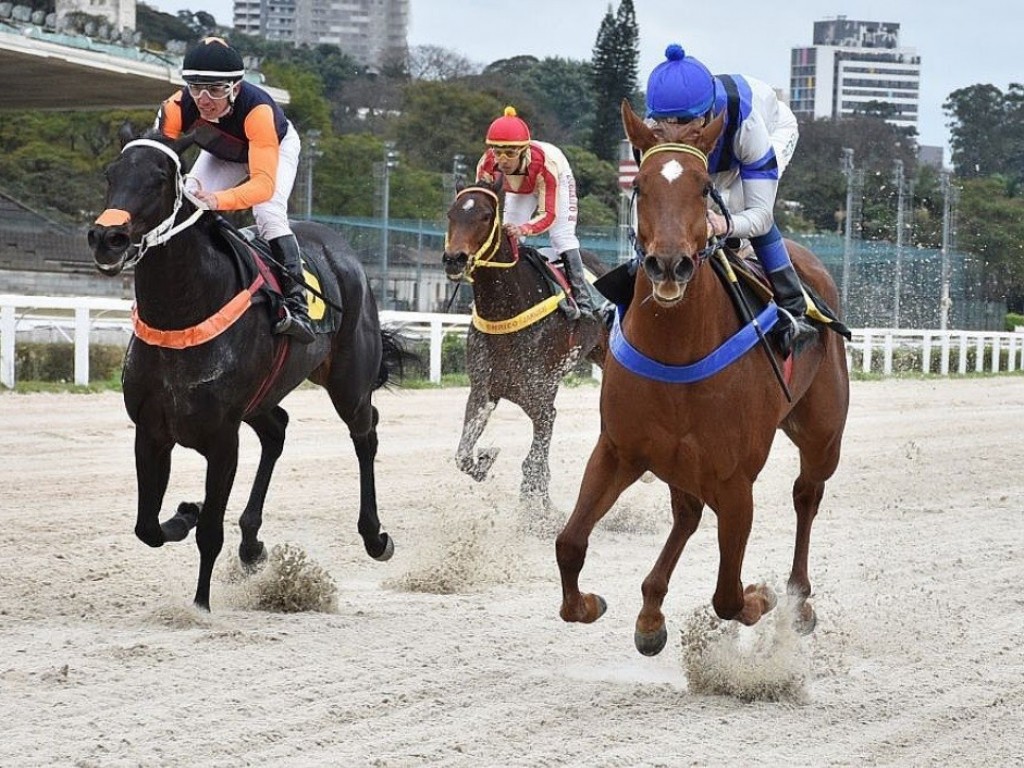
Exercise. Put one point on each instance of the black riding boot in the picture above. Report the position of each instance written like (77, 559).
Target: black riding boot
(573, 263)
(296, 321)
(789, 295)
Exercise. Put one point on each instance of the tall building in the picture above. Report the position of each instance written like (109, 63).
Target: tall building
(851, 65)
(372, 32)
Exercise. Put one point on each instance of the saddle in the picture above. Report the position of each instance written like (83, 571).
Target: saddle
(547, 262)
(253, 257)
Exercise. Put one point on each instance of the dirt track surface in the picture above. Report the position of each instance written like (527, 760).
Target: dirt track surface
(453, 654)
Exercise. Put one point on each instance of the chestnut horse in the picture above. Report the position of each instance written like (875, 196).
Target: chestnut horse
(520, 345)
(709, 438)
(203, 359)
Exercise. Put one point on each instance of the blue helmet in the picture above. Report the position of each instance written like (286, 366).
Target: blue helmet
(679, 87)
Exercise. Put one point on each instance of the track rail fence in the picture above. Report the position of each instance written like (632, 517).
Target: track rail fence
(82, 321)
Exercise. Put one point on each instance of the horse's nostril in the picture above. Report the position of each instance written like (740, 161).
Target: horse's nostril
(117, 241)
(653, 267)
(683, 270)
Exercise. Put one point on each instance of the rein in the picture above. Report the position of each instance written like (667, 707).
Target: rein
(166, 229)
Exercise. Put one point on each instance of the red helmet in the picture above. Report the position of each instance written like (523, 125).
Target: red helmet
(509, 130)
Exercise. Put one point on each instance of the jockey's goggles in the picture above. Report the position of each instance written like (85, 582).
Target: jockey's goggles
(215, 91)
(509, 152)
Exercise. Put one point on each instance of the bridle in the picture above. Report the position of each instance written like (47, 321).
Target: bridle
(485, 255)
(639, 254)
(166, 229)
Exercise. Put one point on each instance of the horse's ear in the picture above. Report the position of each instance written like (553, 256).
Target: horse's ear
(183, 142)
(639, 134)
(710, 133)
(125, 133)
(460, 184)
(498, 183)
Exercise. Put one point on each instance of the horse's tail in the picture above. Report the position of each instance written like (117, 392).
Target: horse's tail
(394, 358)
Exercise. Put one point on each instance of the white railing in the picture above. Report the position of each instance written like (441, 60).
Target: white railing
(872, 350)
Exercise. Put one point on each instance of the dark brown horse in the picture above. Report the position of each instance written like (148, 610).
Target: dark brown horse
(707, 439)
(520, 345)
(203, 359)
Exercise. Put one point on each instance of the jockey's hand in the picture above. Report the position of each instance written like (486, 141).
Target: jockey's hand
(208, 199)
(717, 225)
(513, 230)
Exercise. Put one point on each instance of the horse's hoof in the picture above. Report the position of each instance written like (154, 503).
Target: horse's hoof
(651, 643)
(593, 608)
(184, 520)
(806, 619)
(252, 558)
(386, 553)
(766, 594)
(484, 461)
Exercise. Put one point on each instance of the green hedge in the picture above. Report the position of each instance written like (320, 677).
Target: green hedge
(56, 362)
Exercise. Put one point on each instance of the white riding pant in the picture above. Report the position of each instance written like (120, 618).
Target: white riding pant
(272, 216)
(519, 209)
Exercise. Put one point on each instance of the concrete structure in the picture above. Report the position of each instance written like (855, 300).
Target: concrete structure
(852, 64)
(372, 32)
(50, 67)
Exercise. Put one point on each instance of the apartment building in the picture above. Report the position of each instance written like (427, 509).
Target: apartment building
(852, 66)
(370, 31)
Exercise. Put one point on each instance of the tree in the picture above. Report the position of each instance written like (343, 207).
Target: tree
(615, 62)
(981, 125)
(432, 62)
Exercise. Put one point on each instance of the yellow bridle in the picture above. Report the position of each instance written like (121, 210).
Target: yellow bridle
(488, 250)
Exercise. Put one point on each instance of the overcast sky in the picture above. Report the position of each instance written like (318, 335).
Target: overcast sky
(960, 43)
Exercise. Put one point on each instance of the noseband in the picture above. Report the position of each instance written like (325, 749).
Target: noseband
(484, 255)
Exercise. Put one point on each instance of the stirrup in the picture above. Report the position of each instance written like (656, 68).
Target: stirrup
(289, 325)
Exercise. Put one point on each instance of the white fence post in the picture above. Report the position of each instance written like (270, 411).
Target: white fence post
(436, 341)
(82, 346)
(7, 328)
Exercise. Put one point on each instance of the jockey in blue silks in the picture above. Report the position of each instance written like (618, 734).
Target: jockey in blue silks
(754, 148)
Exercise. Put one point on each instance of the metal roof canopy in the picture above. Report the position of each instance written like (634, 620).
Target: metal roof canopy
(47, 75)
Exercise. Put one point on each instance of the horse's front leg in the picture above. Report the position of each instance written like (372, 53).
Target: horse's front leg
(650, 635)
(152, 470)
(735, 509)
(221, 464)
(536, 468)
(270, 428)
(604, 479)
(479, 407)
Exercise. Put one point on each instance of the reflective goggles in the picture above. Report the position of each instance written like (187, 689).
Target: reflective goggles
(509, 152)
(215, 91)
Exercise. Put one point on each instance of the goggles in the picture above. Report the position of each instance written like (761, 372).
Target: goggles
(215, 91)
(509, 152)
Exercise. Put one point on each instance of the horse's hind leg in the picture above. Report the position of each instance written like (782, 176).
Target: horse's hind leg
(270, 428)
(479, 407)
(604, 480)
(536, 468)
(650, 635)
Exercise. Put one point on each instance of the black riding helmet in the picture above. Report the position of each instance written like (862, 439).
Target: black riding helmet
(212, 60)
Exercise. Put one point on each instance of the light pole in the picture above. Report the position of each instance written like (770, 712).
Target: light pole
(312, 142)
(945, 301)
(898, 181)
(459, 169)
(847, 164)
(390, 163)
